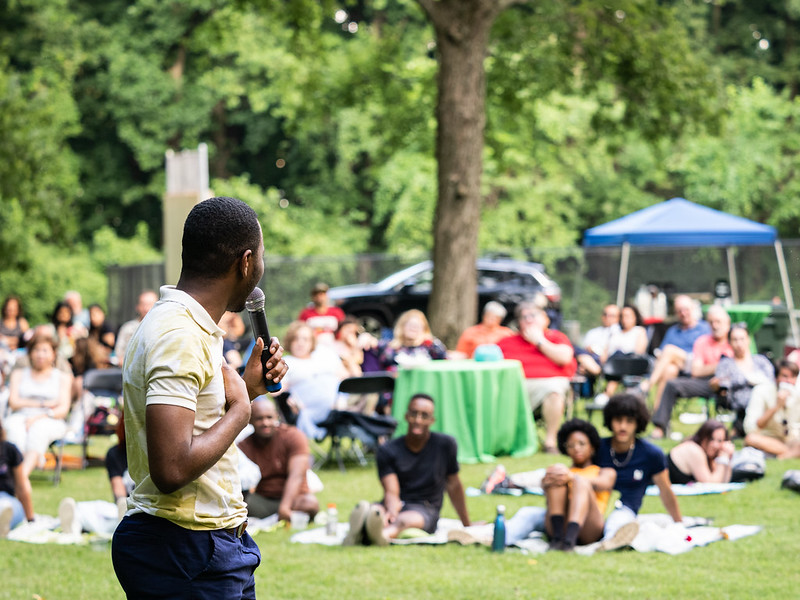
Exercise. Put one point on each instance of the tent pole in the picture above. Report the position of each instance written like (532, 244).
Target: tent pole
(732, 275)
(623, 273)
(787, 292)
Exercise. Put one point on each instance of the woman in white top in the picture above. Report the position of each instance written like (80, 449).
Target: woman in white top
(629, 339)
(39, 400)
(313, 378)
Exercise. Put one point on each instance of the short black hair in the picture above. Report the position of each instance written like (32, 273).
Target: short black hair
(216, 233)
(421, 396)
(626, 405)
(573, 425)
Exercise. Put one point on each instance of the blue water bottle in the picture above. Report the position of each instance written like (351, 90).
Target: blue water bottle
(499, 538)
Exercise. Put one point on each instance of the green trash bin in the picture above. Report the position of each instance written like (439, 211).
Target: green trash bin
(771, 337)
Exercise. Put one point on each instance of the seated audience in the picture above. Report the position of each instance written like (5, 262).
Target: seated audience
(93, 351)
(772, 418)
(356, 348)
(673, 356)
(576, 497)
(706, 354)
(39, 401)
(630, 339)
(232, 341)
(412, 342)
(323, 318)
(282, 454)
(16, 500)
(595, 343)
(415, 470)
(145, 302)
(737, 377)
(547, 362)
(638, 464)
(312, 379)
(705, 457)
(489, 331)
(13, 325)
(67, 332)
(80, 315)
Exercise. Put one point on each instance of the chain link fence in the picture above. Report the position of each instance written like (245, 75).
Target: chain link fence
(588, 277)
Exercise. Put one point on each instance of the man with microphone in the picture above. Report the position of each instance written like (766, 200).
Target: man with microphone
(184, 533)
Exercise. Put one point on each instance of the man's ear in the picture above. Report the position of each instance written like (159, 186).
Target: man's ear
(246, 263)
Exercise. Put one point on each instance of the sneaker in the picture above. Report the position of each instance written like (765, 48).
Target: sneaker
(358, 519)
(495, 479)
(6, 514)
(374, 528)
(601, 399)
(66, 515)
(465, 538)
(622, 538)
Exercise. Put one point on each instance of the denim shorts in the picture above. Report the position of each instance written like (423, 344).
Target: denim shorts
(155, 558)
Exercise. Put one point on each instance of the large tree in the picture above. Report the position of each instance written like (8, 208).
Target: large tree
(462, 38)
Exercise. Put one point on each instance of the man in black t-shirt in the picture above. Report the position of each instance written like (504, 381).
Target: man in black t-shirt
(415, 470)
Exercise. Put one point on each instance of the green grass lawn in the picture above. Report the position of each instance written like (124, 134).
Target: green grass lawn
(763, 565)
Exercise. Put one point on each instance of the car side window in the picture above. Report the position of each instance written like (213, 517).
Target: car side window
(421, 284)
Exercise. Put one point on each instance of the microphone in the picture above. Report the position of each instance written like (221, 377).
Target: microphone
(258, 319)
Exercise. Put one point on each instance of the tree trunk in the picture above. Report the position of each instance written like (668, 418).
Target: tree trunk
(462, 35)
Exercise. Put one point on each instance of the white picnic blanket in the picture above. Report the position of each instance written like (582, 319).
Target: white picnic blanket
(657, 533)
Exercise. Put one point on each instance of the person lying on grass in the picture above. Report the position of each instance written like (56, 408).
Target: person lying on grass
(705, 457)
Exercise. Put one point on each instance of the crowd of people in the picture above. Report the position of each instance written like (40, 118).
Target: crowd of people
(184, 347)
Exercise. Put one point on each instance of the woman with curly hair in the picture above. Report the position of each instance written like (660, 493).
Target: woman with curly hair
(638, 463)
(576, 496)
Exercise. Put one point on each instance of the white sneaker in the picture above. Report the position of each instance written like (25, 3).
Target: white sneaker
(601, 399)
(622, 538)
(358, 519)
(374, 528)
(6, 514)
(66, 516)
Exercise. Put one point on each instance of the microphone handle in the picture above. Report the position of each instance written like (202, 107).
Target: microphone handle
(258, 319)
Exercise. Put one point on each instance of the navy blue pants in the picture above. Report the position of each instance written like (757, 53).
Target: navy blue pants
(154, 558)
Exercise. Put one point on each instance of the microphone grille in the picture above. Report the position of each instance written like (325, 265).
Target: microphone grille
(255, 301)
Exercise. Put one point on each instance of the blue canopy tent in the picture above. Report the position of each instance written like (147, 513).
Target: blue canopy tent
(678, 222)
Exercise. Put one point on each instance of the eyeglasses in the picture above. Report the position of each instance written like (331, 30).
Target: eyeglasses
(416, 415)
(527, 317)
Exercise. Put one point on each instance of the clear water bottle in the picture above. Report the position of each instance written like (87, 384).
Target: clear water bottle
(333, 520)
(499, 538)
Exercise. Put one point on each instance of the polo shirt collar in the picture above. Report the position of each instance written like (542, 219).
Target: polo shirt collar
(170, 294)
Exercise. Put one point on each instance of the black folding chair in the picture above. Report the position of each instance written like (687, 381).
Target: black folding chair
(363, 431)
(628, 369)
(102, 416)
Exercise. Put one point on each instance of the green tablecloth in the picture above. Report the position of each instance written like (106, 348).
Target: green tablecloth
(481, 404)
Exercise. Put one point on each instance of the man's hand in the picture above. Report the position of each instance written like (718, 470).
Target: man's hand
(254, 373)
(285, 513)
(533, 334)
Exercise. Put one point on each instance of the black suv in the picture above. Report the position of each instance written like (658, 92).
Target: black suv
(377, 305)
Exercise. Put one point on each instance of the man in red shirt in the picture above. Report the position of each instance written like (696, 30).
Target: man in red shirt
(548, 361)
(282, 454)
(323, 318)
